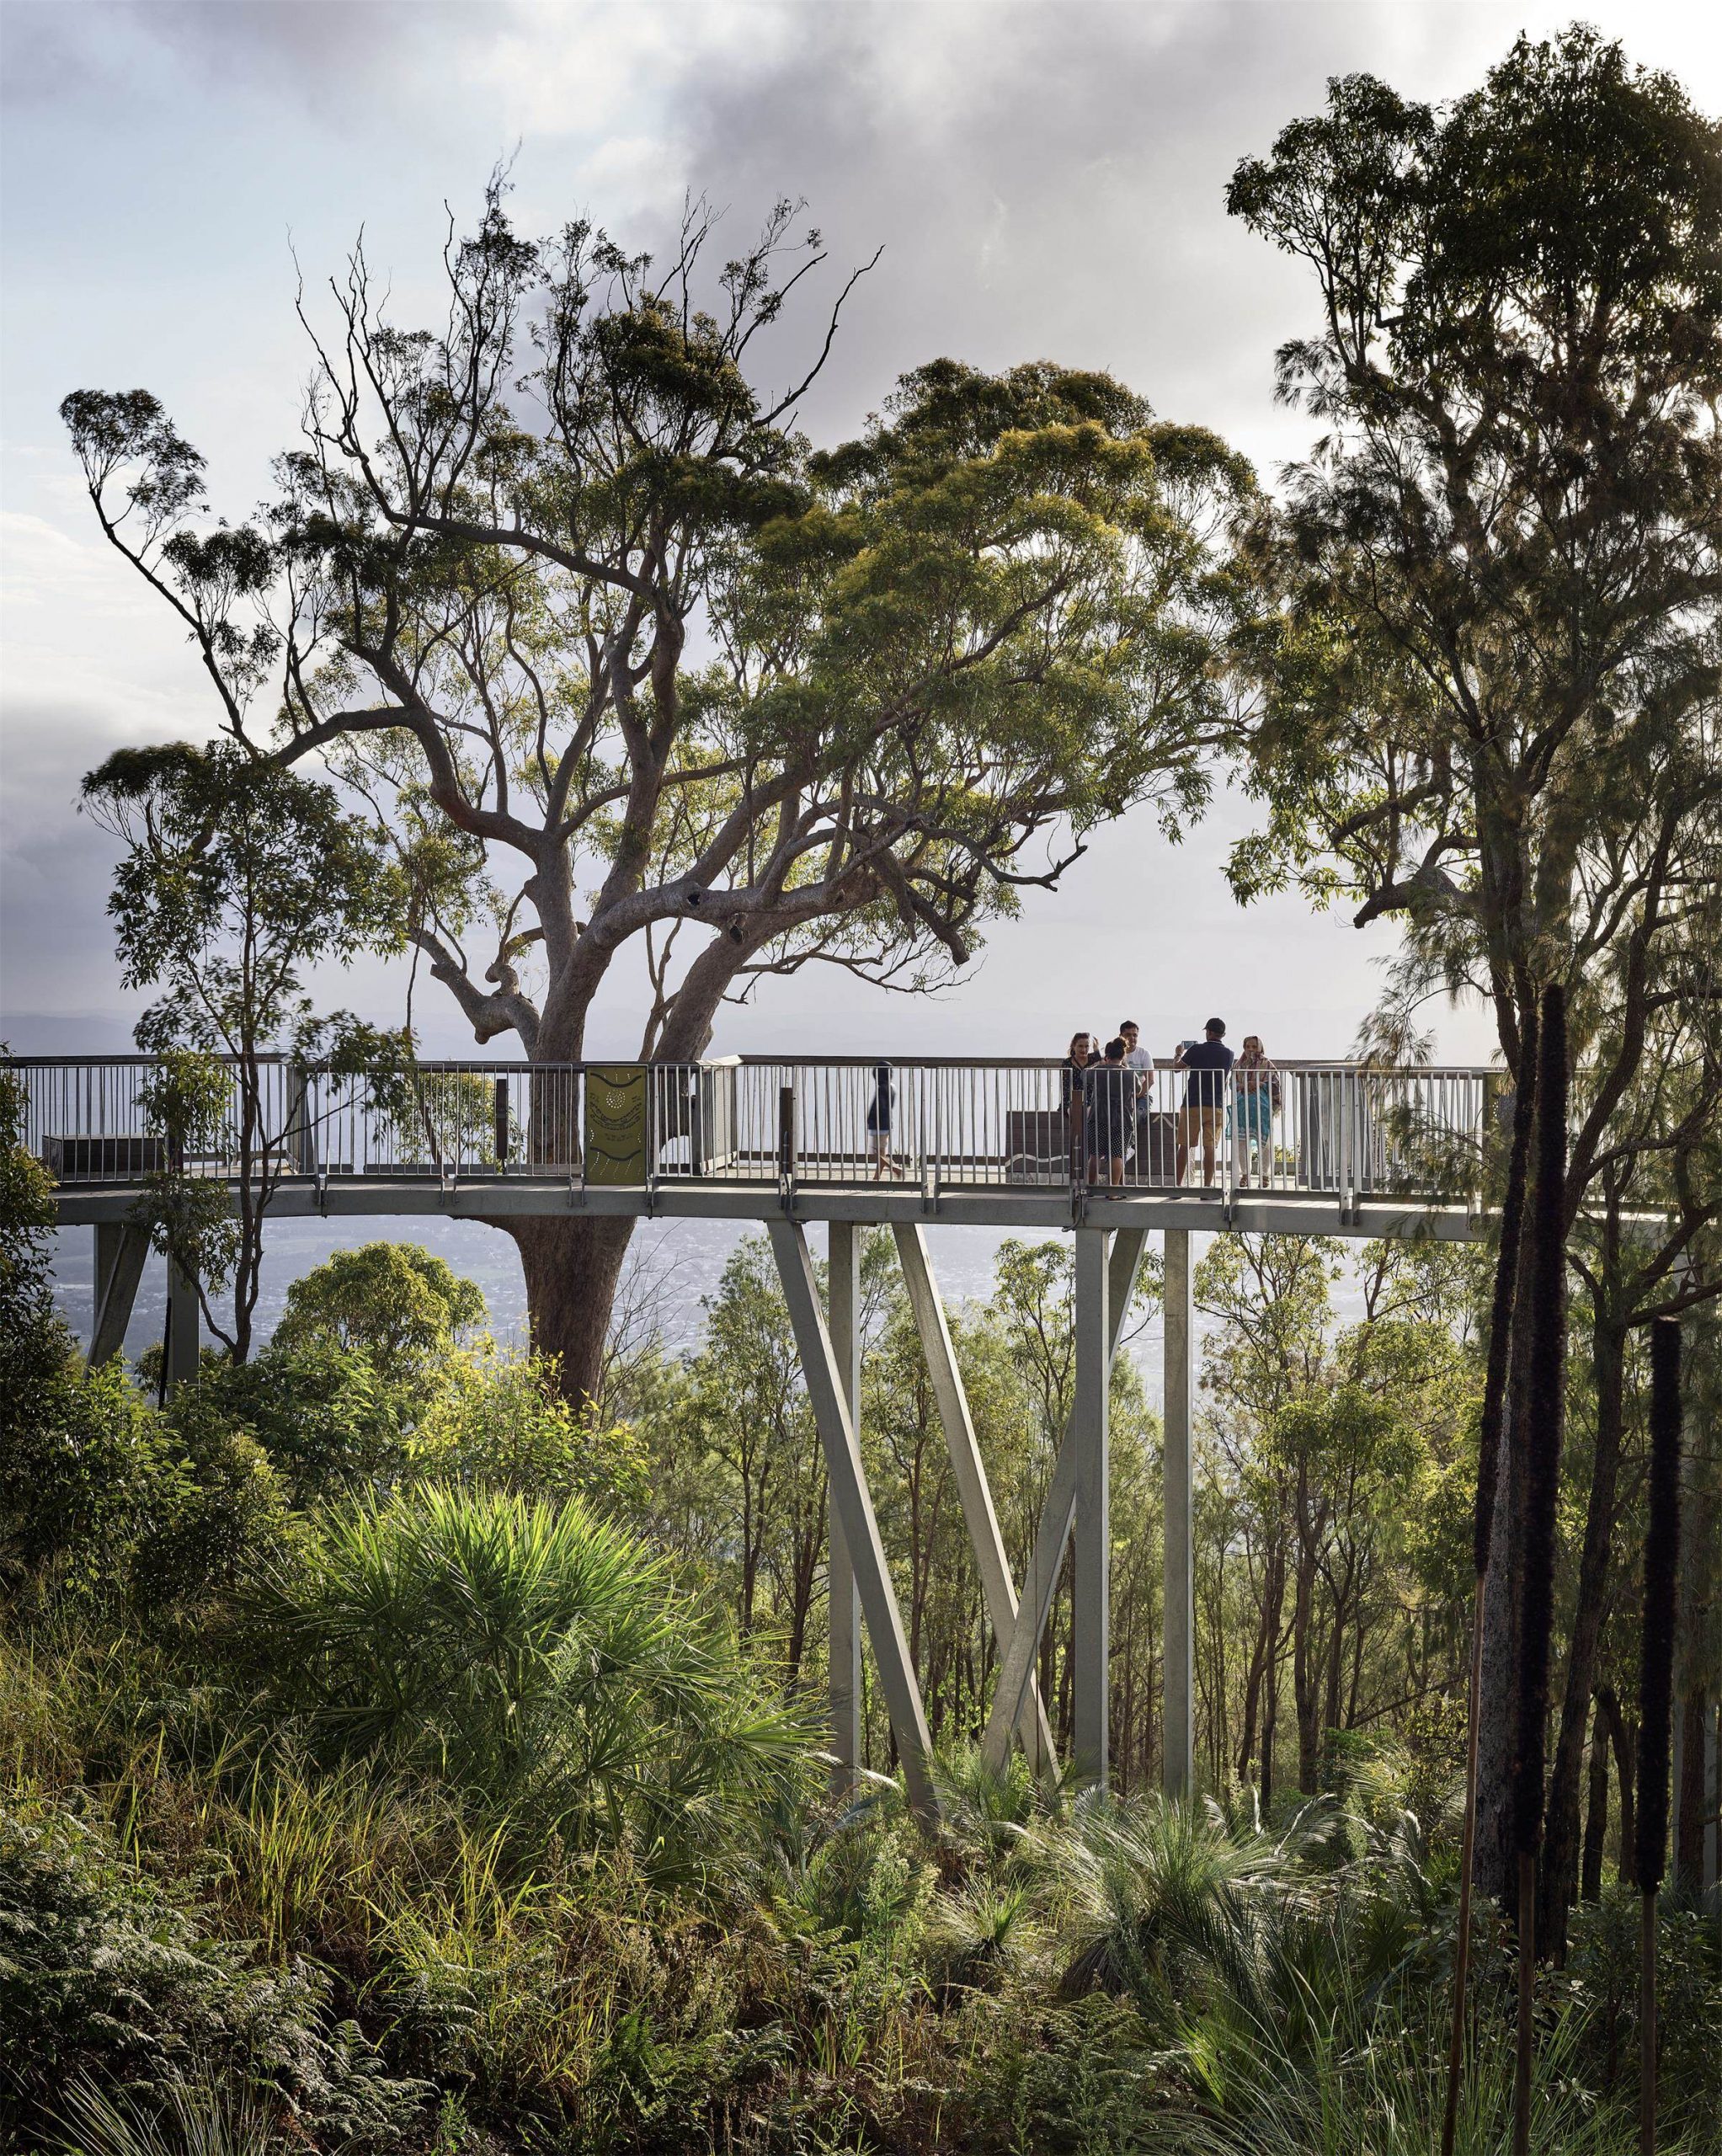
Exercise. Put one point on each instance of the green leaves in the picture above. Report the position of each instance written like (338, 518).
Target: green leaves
(531, 1653)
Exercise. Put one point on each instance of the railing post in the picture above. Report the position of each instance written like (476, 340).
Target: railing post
(501, 1131)
(786, 1143)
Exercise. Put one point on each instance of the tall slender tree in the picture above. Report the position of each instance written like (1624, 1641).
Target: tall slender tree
(1545, 1420)
(1490, 691)
(1490, 1424)
(1656, 1694)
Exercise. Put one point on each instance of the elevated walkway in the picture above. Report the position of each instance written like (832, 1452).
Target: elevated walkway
(1013, 1144)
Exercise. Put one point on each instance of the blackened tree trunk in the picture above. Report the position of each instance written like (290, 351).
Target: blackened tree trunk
(1545, 1390)
(1559, 1870)
(1693, 1710)
(1596, 1812)
(1656, 1693)
(1497, 1718)
(1622, 1744)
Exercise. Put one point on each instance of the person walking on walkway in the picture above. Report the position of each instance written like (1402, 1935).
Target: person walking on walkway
(881, 1112)
(1203, 1114)
(1255, 1095)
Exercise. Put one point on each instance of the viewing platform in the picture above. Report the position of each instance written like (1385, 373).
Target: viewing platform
(1334, 1148)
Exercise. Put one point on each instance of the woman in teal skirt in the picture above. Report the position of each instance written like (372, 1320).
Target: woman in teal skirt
(1255, 1094)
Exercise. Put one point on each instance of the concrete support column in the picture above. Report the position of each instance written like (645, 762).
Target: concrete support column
(1091, 1531)
(1178, 1737)
(181, 1347)
(842, 1290)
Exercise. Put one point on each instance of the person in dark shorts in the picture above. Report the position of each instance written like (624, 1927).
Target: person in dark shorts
(1202, 1116)
(1112, 1115)
(880, 1115)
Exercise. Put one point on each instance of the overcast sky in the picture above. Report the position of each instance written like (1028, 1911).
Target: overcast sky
(1045, 180)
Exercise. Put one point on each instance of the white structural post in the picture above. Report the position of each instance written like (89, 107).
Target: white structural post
(1091, 1528)
(843, 1288)
(120, 1251)
(1178, 1741)
(181, 1326)
(1017, 1657)
(973, 1489)
(854, 1509)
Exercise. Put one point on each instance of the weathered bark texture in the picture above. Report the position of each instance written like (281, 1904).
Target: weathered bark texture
(1559, 1882)
(572, 1268)
(1498, 1702)
(1596, 1812)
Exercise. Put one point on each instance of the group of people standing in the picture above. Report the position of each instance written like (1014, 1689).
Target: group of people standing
(1108, 1105)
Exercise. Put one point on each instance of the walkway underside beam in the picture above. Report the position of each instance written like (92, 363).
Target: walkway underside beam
(707, 1199)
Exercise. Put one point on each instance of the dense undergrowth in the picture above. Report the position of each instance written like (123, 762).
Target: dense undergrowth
(371, 1782)
(207, 1908)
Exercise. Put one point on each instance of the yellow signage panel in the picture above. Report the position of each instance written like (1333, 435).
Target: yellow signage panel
(616, 1122)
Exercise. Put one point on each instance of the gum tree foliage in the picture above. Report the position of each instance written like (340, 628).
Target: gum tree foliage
(399, 1304)
(1490, 689)
(239, 874)
(625, 666)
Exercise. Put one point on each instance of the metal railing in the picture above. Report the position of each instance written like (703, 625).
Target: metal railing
(1341, 1129)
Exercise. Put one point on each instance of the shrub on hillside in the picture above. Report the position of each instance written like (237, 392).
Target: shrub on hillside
(102, 1976)
(394, 1303)
(498, 1421)
(534, 1655)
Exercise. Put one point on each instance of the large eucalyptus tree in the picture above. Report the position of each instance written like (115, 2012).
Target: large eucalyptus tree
(620, 661)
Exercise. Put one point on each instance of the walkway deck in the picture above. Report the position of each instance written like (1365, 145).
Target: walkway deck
(1331, 1148)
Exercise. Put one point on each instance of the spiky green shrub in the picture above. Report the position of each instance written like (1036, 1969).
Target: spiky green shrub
(536, 1657)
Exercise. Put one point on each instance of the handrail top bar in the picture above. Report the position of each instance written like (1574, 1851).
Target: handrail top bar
(478, 1066)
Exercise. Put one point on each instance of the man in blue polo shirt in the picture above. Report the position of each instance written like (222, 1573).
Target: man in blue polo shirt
(1204, 1110)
